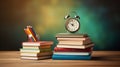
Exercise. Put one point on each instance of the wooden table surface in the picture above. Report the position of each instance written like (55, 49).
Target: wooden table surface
(99, 59)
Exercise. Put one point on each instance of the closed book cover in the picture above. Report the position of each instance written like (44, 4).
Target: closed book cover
(82, 42)
(70, 35)
(37, 54)
(37, 43)
(35, 50)
(70, 57)
(30, 32)
(36, 58)
(57, 49)
(37, 47)
(72, 53)
(75, 46)
(72, 39)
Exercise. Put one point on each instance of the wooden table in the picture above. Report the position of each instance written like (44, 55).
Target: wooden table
(99, 58)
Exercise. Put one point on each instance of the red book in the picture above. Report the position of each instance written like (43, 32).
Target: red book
(57, 49)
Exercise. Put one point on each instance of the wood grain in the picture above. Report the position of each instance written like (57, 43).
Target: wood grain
(99, 59)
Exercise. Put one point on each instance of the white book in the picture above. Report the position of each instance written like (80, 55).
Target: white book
(37, 54)
(27, 47)
(72, 39)
(36, 47)
(85, 42)
(70, 35)
(72, 53)
(37, 43)
(35, 50)
(36, 58)
(75, 46)
(23, 50)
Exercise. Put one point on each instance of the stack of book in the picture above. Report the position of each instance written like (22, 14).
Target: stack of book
(36, 50)
(73, 47)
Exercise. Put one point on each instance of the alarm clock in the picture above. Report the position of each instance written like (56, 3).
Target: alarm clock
(72, 24)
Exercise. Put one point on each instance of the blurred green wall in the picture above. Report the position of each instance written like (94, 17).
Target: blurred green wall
(99, 19)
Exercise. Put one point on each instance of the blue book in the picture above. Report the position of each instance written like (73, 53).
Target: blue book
(70, 57)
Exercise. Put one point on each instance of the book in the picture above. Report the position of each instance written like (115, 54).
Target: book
(72, 39)
(36, 58)
(70, 57)
(31, 33)
(72, 53)
(36, 47)
(36, 54)
(30, 38)
(75, 46)
(70, 35)
(37, 43)
(57, 49)
(82, 42)
(36, 50)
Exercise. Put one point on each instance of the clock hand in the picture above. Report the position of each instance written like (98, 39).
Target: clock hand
(72, 24)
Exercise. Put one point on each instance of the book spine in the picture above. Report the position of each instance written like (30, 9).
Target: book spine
(73, 53)
(37, 47)
(81, 42)
(76, 47)
(30, 44)
(69, 57)
(64, 35)
(36, 58)
(71, 42)
(66, 46)
(36, 54)
(72, 39)
(35, 50)
(35, 44)
(57, 49)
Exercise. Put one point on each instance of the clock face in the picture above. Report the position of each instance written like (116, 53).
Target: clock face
(72, 25)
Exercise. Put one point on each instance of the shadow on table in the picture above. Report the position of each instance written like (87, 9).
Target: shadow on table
(107, 58)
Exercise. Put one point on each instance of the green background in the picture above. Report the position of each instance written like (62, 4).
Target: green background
(100, 19)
